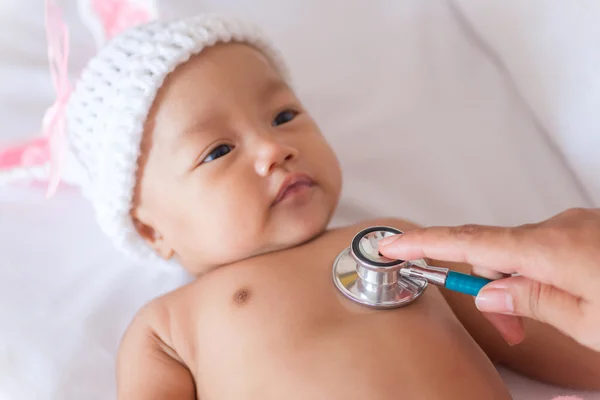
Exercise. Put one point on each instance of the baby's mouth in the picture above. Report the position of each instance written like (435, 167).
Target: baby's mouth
(292, 185)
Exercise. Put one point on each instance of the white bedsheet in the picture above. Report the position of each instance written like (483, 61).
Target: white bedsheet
(550, 50)
(466, 147)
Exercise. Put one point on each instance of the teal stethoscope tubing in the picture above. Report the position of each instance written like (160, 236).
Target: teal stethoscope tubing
(464, 283)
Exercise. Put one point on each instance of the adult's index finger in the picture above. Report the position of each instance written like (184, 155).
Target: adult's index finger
(505, 250)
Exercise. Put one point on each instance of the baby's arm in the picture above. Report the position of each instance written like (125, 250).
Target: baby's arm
(147, 368)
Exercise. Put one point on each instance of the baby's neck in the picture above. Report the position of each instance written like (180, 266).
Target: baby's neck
(199, 270)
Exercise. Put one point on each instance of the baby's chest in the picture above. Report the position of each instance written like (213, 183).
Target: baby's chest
(294, 317)
(294, 291)
(262, 302)
(283, 300)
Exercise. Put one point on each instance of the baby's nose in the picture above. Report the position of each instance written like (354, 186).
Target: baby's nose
(272, 155)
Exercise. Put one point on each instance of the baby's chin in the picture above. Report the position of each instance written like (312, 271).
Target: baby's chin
(279, 233)
(298, 233)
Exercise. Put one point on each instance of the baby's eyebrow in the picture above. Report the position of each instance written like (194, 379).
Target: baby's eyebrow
(273, 86)
(199, 125)
(202, 124)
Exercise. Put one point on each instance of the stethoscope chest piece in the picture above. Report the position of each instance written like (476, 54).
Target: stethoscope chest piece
(366, 277)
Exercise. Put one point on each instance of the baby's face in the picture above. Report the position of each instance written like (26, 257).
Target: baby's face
(232, 165)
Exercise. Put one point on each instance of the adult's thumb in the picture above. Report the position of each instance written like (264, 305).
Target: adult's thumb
(527, 298)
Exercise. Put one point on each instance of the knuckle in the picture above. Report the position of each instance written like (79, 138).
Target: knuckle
(576, 217)
(533, 300)
(574, 212)
(487, 273)
(557, 236)
(520, 234)
(465, 232)
(525, 232)
(537, 297)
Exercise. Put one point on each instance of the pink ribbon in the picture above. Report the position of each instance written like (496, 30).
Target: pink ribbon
(118, 15)
(54, 119)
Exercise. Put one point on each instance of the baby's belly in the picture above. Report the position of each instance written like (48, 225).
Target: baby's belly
(263, 339)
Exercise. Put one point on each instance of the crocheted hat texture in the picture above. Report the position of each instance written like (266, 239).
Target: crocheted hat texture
(111, 101)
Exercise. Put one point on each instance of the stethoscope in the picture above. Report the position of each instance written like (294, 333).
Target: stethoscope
(363, 275)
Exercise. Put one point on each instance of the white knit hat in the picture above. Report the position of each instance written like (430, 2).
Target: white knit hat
(107, 110)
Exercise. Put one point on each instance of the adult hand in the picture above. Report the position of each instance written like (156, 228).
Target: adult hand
(557, 262)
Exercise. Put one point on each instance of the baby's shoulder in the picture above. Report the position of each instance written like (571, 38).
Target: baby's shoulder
(158, 318)
(148, 358)
(154, 318)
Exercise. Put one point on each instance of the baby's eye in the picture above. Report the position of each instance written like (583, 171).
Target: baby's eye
(284, 117)
(219, 151)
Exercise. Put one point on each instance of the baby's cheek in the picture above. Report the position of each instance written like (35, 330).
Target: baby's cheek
(233, 225)
(329, 169)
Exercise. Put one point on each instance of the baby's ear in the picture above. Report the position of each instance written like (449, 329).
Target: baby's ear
(153, 238)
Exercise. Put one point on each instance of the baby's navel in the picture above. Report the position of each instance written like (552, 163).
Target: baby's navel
(242, 296)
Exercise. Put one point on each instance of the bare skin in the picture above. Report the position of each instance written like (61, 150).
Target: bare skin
(275, 327)
(263, 319)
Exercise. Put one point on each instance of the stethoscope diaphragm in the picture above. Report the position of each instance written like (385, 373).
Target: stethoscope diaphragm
(365, 276)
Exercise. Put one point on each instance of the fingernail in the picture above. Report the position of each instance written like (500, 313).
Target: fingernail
(387, 240)
(496, 301)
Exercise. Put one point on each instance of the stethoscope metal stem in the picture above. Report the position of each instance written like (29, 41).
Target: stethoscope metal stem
(434, 275)
(443, 277)
(389, 277)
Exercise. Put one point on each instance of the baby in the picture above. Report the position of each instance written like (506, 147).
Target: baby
(191, 145)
